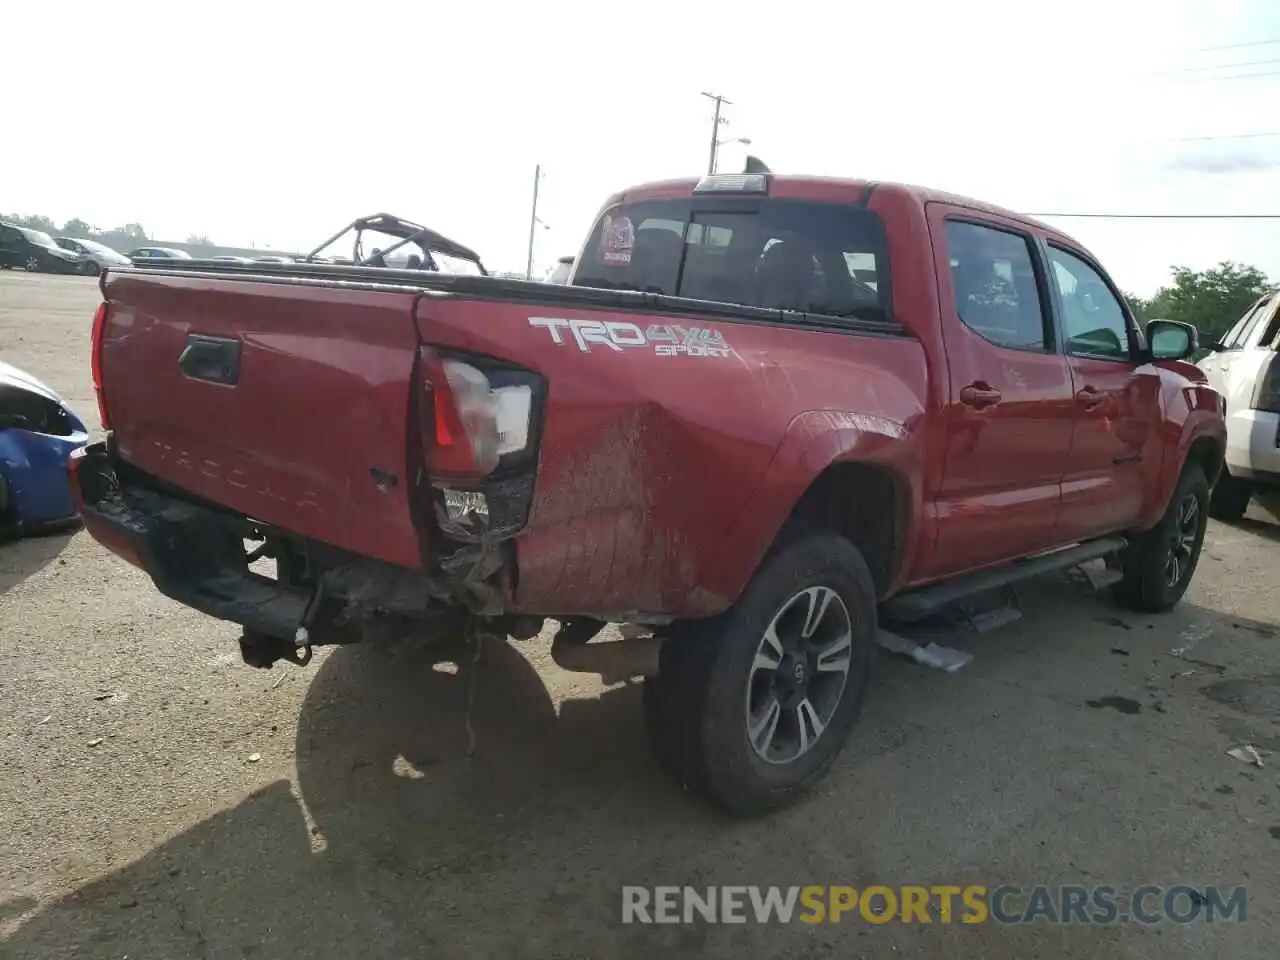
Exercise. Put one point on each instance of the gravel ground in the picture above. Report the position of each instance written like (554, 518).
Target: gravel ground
(158, 799)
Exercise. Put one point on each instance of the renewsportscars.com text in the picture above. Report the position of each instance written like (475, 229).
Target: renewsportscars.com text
(1005, 904)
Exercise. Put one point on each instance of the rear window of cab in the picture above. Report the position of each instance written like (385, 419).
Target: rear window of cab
(813, 258)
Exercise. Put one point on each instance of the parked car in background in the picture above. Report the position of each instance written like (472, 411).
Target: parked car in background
(561, 271)
(93, 257)
(158, 253)
(273, 258)
(230, 258)
(38, 431)
(34, 251)
(1245, 368)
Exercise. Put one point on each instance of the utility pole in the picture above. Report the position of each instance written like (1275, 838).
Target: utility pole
(715, 128)
(533, 219)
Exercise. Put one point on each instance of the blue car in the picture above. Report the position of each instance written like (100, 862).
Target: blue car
(38, 431)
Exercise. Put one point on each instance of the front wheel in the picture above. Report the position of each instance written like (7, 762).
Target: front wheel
(752, 707)
(32, 264)
(1158, 564)
(90, 268)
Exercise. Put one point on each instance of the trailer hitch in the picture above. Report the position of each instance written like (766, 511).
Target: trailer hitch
(262, 651)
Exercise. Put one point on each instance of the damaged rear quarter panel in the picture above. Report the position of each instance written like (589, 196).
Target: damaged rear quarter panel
(648, 460)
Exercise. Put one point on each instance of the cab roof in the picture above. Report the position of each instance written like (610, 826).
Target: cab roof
(833, 189)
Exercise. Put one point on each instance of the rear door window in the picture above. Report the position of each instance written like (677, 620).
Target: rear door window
(793, 255)
(994, 279)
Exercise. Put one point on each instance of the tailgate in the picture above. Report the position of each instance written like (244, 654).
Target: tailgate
(285, 402)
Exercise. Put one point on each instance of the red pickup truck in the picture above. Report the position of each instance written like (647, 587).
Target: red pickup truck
(765, 411)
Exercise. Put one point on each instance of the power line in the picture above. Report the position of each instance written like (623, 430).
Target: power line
(1236, 46)
(1222, 66)
(1224, 136)
(1234, 76)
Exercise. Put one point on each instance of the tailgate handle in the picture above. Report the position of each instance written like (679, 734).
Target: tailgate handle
(215, 359)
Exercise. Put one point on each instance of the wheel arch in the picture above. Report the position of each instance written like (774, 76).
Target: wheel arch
(859, 476)
(1209, 453)
(866, 503)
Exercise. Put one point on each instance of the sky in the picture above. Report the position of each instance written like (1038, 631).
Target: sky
(273, 122)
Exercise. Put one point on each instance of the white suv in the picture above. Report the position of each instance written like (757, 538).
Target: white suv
(1245, 368)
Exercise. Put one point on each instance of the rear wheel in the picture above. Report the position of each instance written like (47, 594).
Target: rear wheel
(90, 268)
(1158, 564)
(752, 707)
(1230, 498)
(32, 264)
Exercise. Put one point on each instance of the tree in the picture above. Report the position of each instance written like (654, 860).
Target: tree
(200, 240)
(1210, 300)
(1139, 307)
(43, 224)
(75, 227)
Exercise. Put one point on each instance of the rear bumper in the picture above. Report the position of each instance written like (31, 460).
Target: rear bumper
(194, 555)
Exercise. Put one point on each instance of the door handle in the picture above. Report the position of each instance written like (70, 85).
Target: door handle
(1090, 398)
(215, 359)
(979, 395)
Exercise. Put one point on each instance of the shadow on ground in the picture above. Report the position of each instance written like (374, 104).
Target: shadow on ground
(20, 559)
(402, 845)
(1259, 528)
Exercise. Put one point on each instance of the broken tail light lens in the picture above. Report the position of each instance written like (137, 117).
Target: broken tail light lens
(1266, 392)
(99, 332)
(473, 423)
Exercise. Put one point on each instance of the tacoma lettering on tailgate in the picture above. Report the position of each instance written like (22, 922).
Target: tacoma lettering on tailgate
(665, 340)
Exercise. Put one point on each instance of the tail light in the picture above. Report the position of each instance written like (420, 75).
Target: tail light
(472, 424)
(1266, 392)
(73, 475)
(99, 330)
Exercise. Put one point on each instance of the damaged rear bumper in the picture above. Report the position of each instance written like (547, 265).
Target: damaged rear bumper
(197, 554)
(191, 553)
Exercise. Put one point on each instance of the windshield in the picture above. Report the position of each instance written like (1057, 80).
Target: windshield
(457, 266)
(795, 255)
(96, 247)
(40, 239)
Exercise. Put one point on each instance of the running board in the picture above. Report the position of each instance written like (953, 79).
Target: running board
(919, 603)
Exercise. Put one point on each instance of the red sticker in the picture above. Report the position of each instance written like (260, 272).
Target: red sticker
(616, 239)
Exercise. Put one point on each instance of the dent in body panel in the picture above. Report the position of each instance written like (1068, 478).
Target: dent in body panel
(599, 538)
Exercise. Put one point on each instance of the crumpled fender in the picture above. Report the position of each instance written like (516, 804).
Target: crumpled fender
(815, 440)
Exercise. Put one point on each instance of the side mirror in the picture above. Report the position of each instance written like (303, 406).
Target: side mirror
(1170, 340)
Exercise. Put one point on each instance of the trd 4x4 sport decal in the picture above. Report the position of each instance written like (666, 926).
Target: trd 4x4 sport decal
(664, 340)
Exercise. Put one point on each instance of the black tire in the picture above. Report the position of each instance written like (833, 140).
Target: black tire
(32, 265)
(1152, 583)
(1230, 497)
(90, 268)
(697, 710)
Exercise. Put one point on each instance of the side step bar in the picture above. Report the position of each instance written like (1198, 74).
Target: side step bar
(919, 603)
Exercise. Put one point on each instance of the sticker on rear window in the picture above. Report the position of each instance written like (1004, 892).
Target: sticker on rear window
(616, 239)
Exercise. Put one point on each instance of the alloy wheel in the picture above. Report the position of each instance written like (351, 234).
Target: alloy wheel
(1182, 542)
(799, 675)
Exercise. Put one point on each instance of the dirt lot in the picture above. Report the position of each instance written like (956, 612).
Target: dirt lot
(363, 829)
